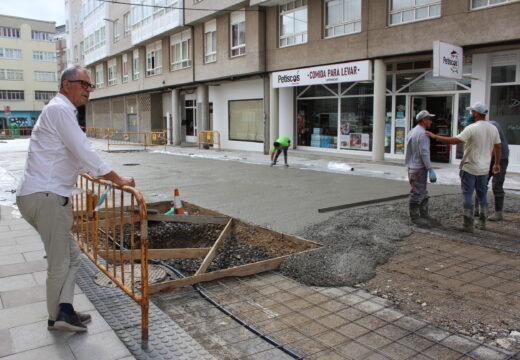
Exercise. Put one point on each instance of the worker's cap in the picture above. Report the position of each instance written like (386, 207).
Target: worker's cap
(479, 107)
(424, 114)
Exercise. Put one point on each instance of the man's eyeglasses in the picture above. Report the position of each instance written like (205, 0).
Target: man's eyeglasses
(84, 84)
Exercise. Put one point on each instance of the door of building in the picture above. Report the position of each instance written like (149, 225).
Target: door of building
(191, 120)
(132, 127)
(442, 107)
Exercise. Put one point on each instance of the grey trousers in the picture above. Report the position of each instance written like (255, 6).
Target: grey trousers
(418, 180)
(51, 216)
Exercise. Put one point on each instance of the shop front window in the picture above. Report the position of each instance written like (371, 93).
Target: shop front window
(463, 113)
(317, 122)
(356, 123)
(400, 124)
(246, 120)
(505, 110)
(388, 125)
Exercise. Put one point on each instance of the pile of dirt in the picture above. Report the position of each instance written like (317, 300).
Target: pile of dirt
(359, 239)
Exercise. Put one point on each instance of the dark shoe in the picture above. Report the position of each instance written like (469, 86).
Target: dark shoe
(424, 213)
(468, 220)
(69, 322)
(482, 217)
(415, 216)
(84, 318)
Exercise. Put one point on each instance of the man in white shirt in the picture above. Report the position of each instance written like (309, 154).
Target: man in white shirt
(481, 140)
(59, 150)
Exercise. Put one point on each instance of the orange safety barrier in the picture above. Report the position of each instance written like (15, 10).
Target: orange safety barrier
(146, 139)
(113, 235)
(210, 138)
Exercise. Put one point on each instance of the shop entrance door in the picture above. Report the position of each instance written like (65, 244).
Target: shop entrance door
(442, 107)
(191, 120)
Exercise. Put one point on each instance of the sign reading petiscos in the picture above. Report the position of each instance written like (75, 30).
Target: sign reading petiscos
(447, 60)
(327, 74)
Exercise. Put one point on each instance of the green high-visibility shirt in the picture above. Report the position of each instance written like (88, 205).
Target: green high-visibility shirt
(283, 141)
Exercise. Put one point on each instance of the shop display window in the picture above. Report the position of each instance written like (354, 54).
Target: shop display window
(388, 125)
(505, 110)
(246, 120)
(464, 103)
(400, 124)
(503, 74)
(356, 123)
(317, 123)
(317, 90)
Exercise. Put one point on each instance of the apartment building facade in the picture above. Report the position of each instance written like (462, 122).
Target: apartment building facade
(341, 76)
(28, 77)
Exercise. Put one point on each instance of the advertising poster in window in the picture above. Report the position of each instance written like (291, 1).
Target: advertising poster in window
(355, 141)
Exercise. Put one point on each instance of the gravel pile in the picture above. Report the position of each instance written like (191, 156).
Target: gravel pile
(357, 240)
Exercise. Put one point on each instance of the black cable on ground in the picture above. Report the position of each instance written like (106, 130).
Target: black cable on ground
(221, 308)
(202, 293)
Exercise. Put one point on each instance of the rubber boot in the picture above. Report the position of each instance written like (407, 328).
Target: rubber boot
(468, 219)
(415, 216)
(482, 217)
(476, 213)
(499, 205)
(423, 209)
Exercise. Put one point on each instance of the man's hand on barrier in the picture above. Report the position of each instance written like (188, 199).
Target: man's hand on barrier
(127, 181)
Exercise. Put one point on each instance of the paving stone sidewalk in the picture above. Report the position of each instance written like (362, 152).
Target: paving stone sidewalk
(23, 310)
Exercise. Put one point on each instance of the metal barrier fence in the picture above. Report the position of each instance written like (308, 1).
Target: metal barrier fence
(98, 133)
(210, 138)
(11, 133)
(146, 139)
(114, 236)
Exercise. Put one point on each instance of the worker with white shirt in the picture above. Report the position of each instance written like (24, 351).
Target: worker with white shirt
(58, 152)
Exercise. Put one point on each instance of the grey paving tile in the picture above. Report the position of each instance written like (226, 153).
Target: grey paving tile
(23, 315)
(6, 344)
(101, 346)
(35, 335)
(22, 268)
(23, 296)
(8, 259)
(20, 226)
(486, 353)
(54, 351)
(16, 282)
(34, 255)
(18, 249)
(19, 233)
(5, 242)
(28, 239)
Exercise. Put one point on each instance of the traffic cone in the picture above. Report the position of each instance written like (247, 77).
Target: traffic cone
(177, 203)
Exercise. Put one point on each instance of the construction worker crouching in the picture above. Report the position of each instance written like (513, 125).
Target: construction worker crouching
(281, 144)
(419, 169)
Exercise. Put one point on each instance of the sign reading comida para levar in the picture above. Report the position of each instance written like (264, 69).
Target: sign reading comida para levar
(447, 60)
(326, 74)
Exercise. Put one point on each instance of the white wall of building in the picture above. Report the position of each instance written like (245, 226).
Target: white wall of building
(235, 90)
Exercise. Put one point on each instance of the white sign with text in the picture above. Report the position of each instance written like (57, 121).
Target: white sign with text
(447, 60)
(327, 74)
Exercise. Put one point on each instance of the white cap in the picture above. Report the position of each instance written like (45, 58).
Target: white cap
(479, 107)
(423, 114)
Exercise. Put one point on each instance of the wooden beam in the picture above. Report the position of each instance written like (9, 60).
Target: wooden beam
(209, 257)
(243, 270)
(187, 253)
(193, 219)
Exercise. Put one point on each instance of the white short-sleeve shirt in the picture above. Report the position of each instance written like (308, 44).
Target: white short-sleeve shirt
(479, 139)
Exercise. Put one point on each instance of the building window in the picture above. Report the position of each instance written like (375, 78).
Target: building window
(405, 11)
(15, 54)
(41, 36)
(115, 29)
(9, 32)
(124, 70)
(76, 54)
(238, 33)
(142, 13)
(342, 17)
(210, 41)
(95, 40)
(10, 74)
(100, 82)
(44, 56)
(127, 24)
(180, 50)
(479, 4)
(135, 64)
(44, 95)
(293, 23)
(82, 50)
(505, 99)
(246, 120)
(112, 72)
(45, 76)
(154, 59)
(12, 95)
